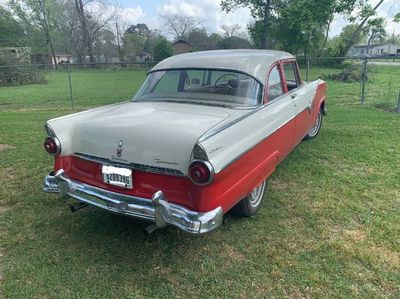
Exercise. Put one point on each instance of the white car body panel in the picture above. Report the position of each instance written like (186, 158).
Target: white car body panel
(159, 134)
(225, 146)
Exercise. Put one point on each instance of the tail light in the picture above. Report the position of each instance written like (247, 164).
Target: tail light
(52, 145)
(201, 172)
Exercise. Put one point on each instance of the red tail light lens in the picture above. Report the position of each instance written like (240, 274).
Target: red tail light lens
(52, 146)
(201, 172)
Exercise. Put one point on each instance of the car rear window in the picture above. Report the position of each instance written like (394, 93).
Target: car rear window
(202, 85)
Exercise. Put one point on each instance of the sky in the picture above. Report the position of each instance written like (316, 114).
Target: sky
(148, 11)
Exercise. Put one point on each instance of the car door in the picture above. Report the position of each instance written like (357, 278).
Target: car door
(281, 109)
(301, 96)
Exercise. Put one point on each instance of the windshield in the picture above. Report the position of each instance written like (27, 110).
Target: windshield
(218, 87)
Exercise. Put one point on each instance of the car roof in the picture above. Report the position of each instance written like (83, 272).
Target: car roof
(253, 62)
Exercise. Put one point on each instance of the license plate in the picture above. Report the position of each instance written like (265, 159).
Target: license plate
(117, 176)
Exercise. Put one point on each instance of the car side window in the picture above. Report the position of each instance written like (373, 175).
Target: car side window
(274, 84)
(290, 71)
(168, 82)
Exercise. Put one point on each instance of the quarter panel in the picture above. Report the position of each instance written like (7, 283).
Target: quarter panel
(228, 145)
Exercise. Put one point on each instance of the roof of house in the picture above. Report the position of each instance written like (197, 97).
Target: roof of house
(374, 45)
(62, 54)
(253, 62)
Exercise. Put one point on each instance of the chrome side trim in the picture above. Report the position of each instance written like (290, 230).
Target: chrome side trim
(136, 166)
(157, 209)
(214, 131)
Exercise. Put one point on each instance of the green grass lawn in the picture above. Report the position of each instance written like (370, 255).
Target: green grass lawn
(329, 227)
(89, 87)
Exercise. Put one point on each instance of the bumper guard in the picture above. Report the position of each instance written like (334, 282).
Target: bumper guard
(157, 209)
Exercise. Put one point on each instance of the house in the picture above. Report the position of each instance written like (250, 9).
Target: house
(61, 58)
(143, 56)
(16, 55)
(374, 50)
(181, 46)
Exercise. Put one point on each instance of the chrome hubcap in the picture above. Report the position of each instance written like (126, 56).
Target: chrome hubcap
(314, 130)
(257, 194)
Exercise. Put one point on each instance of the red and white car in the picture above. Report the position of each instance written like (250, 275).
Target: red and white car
(199, 139)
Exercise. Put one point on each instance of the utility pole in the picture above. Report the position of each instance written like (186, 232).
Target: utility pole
(46, 28)
(119, 45)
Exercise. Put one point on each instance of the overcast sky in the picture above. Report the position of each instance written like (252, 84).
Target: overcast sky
(148, 11)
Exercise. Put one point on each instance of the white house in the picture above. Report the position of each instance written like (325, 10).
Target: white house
(374, 50)
(61, 58)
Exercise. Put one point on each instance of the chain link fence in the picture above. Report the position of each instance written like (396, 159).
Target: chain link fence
(374, 82)
(69, 86)
(352, 81)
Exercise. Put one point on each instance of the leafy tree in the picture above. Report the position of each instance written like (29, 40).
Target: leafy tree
(234, 42)
(199, 37)
(284, 22)
(162, 49)
(366, 11)
(213, 40)
(139, 29)
(397, 18)
(105, 45)
(376, 28)
(306, 21)
(39, 20)
(12, 33)
(336, 45)
(262, 11)
(139, 38)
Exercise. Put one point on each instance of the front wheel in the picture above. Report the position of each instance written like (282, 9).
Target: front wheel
(249, 205)
(313, 132)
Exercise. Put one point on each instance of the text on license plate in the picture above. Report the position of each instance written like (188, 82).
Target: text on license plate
(117, 176)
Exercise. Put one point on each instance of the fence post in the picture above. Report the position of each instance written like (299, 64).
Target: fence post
(364, 79)
(398, 104)
(70, 86)
(308, 68)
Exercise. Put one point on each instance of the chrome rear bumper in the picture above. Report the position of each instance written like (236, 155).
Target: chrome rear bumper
(157, 209)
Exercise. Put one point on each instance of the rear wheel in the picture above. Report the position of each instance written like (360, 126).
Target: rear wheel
(313, 132)
(249, 205)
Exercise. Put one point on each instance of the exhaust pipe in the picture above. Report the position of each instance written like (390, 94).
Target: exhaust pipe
(78, 206)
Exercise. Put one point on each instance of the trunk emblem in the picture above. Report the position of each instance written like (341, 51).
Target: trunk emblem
(119, 148)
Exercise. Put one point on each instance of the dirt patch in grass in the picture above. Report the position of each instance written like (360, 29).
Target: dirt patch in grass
(232, 253)
(4, 147)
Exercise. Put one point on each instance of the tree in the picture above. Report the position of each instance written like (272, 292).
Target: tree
(199, 37)
(231, 30)
(38, 17)
(162, 49)
(261, 10)
(336, 45)
(139, 38)
(139, 29)
(376, 29)
(397, 18)
(180, 26)
(365, 13)
(105, 44)
(92, 21)
(12, 33)
(234, 42)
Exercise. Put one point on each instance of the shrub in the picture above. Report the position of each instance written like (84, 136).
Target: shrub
(350, 74)
(19, 75)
